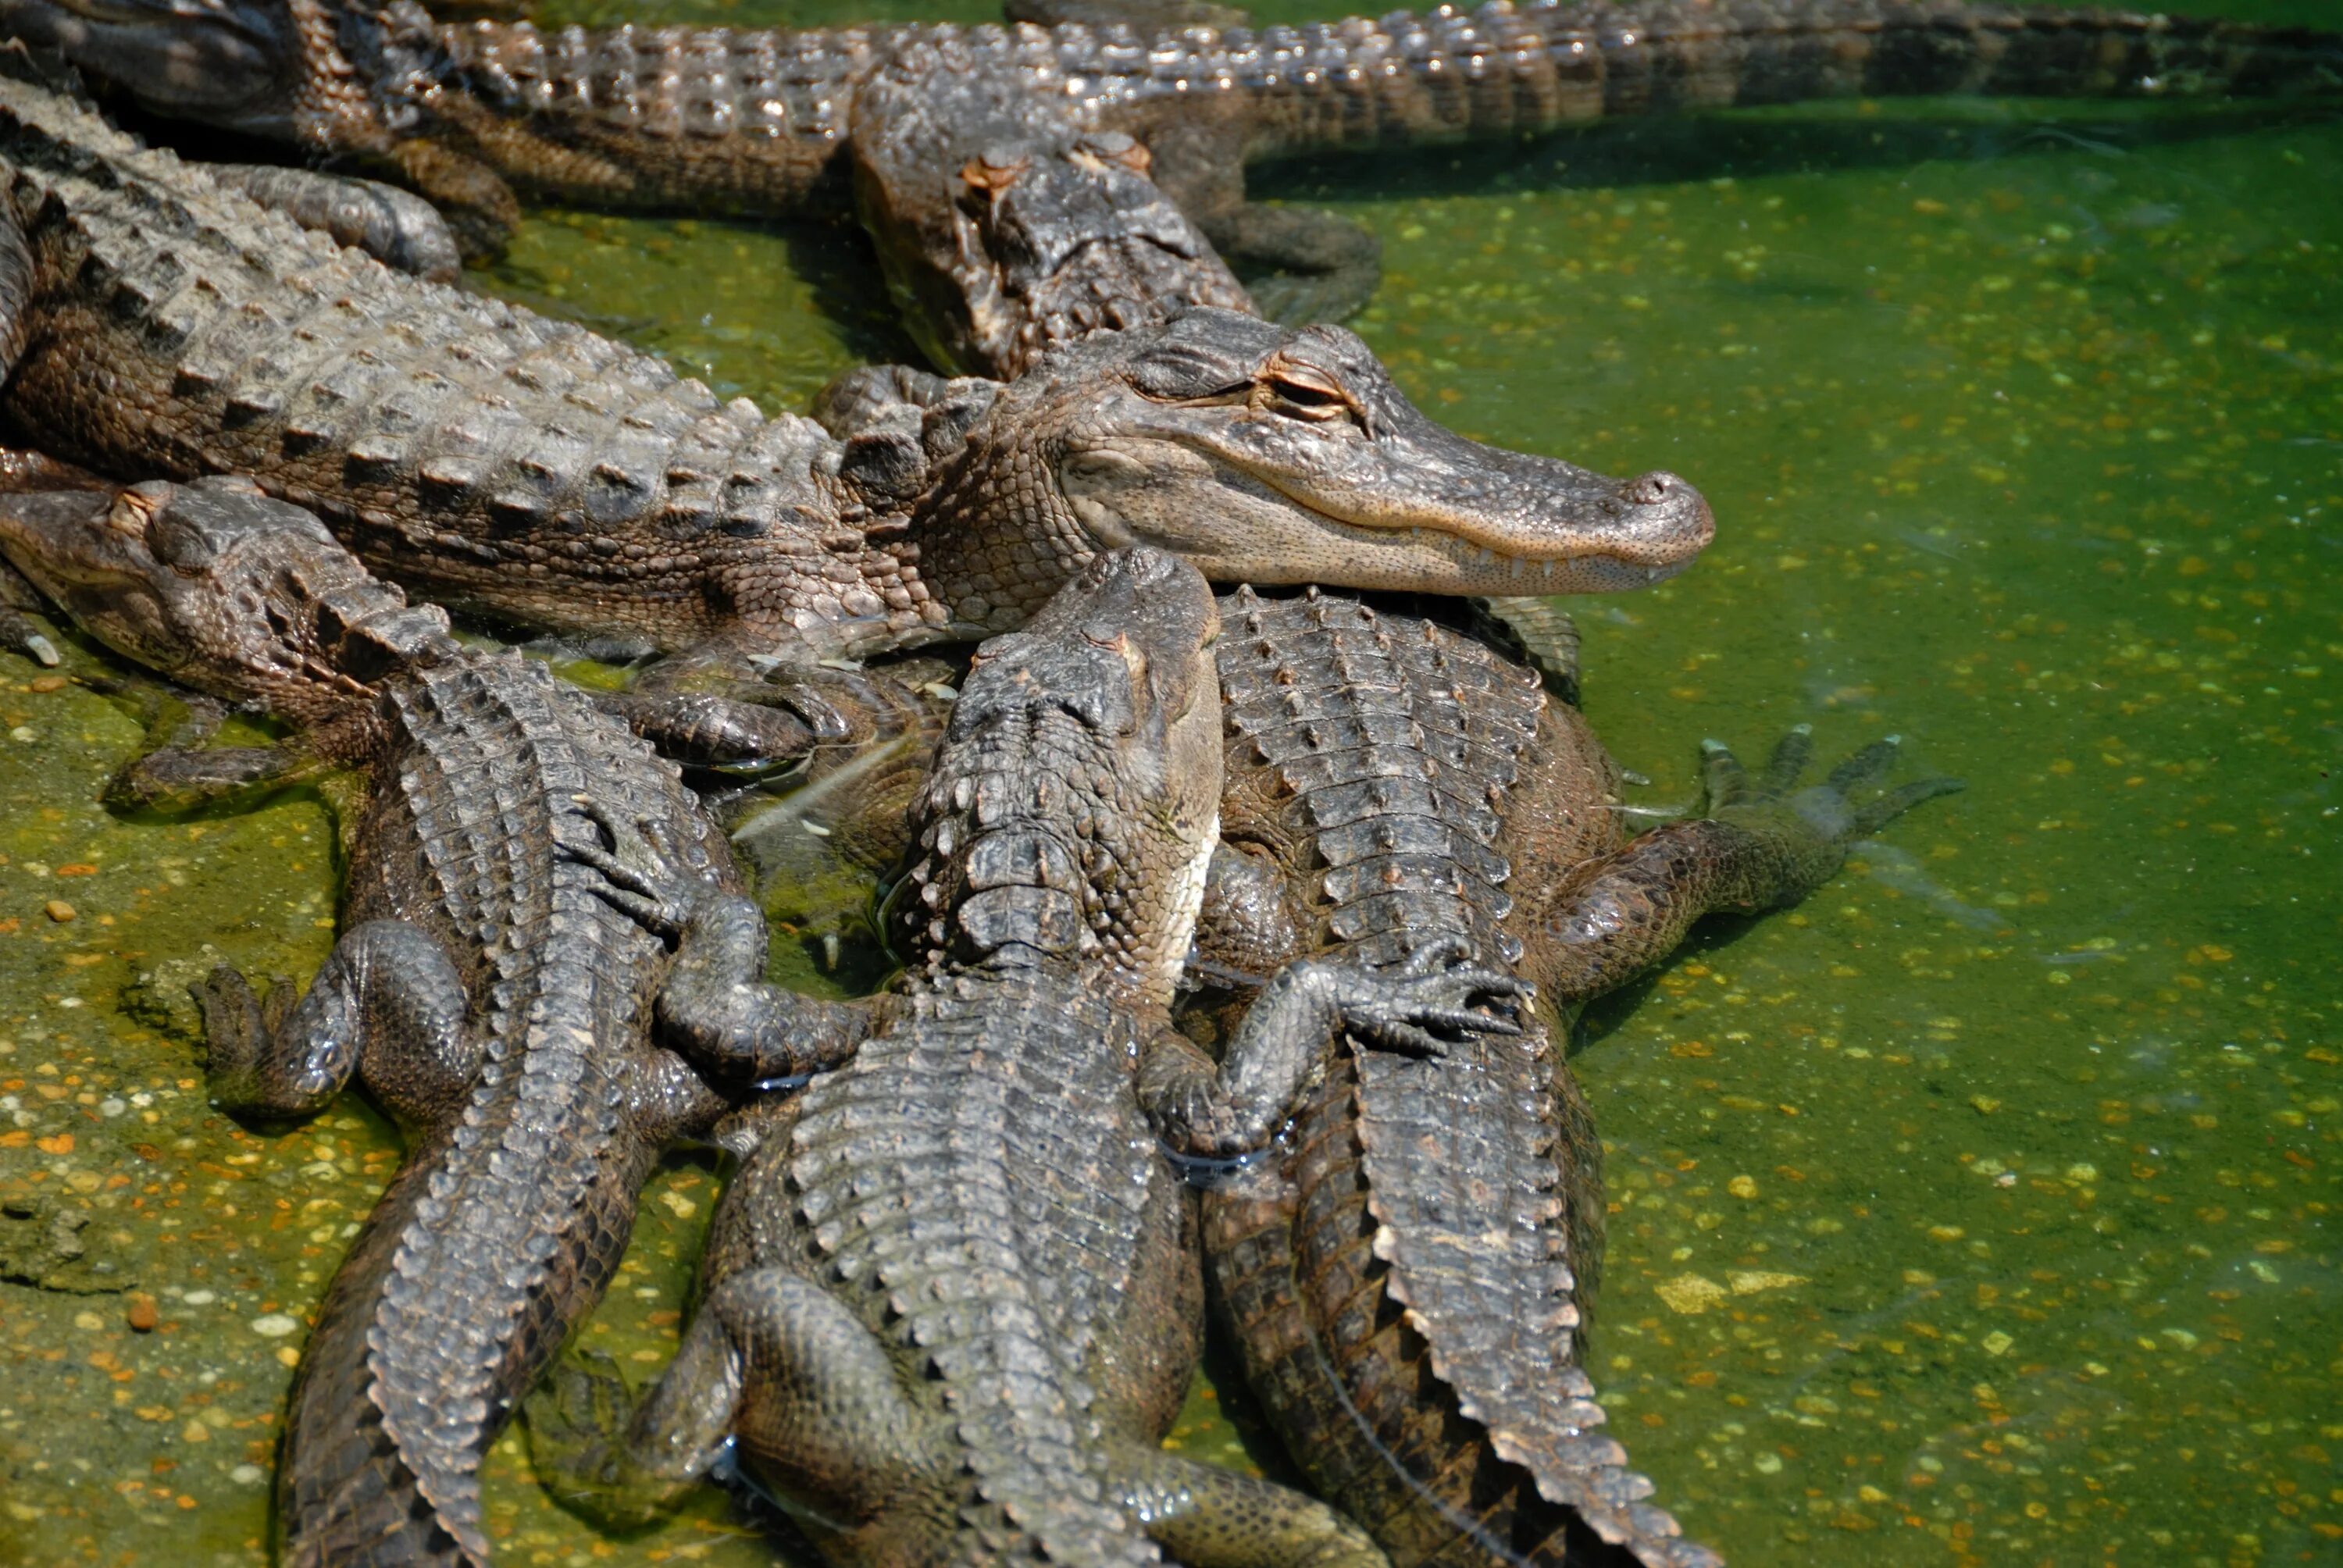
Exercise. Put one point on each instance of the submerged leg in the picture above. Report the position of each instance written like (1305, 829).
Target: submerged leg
(1759, 847)
(386, 997)
(1237, 1107)
(720, 706)
(771, 1359)
(1208, 1517)
(181, 777)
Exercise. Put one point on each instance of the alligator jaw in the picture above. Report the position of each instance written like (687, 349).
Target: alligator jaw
(1272, 456)
(1461, 553)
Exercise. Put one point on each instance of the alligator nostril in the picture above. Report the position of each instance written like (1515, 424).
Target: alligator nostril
(1652, 488)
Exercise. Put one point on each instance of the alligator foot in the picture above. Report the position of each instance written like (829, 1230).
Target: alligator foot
(1810, 831)
(708, 711)
(1210, 1517)
(1396, 1010)
(387, 995)
(714, 1007)
(1230, 1111)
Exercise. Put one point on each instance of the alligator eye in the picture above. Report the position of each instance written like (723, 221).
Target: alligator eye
(1306, 395)
(178, 544)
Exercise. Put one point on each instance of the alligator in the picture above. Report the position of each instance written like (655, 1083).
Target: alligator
(527, 470)
(951, 1302)
(498, 1007)
(1405, 1284)
(1385, 769)
(744, 120)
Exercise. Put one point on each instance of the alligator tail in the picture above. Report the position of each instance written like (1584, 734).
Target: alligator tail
(1503, 69)
(429, 1334)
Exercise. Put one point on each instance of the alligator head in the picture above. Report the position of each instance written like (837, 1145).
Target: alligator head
(1074, 804)
(1268, 454)
(221, 588)
(265, 68)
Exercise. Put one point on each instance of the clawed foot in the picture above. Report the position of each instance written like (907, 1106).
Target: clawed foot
(1815, 826)
(238, 1024)
(642, 870)
(1397, 1009)
(723, 716)
(577, 1420)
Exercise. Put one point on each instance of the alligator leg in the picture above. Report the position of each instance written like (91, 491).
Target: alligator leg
(181, 777)
(714, 706)
(1208, 1517)
(480, 210)
(715, 1007)
(396, 228)
(767, 1347)
(388, 1002)
(1759, 847)
(1235, 1107)
(1537, 632)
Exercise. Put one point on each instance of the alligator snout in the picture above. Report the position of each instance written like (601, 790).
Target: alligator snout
(1667, 519)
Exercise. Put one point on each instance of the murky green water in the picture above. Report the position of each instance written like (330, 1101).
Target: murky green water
(1982, 1209)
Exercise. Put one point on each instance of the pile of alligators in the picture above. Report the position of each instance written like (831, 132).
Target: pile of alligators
(1222, 991)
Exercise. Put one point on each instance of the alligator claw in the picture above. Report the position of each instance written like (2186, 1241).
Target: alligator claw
(1812, 828)
(654, 893)
(1397, 1009)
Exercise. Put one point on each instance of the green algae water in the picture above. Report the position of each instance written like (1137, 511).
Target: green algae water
(1981, 1209)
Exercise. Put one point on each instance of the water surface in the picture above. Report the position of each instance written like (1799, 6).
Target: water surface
(1981, 1209)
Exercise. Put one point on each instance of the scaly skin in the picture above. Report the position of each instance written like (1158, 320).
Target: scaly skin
(481, 989)
(1385, 775)
(715, 117)
(952, 1302)
(526, 469)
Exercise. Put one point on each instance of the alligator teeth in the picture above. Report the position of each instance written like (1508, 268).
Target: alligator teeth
(1517, 567)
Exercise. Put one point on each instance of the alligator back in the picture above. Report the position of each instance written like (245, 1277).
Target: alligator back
(504, 1224)
(981, 1187)
(1404, 1283)
(465, 447)
(691, 115)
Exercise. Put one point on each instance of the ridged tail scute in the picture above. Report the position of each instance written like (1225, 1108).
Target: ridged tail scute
(1397, 741)
(984, 1176)
(500, 1232)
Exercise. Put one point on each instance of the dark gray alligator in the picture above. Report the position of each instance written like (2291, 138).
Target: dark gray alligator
(753, 120)
(481, 989)
(1405, 1282)
(952, 1302)
(1385, 773)
(523, 468)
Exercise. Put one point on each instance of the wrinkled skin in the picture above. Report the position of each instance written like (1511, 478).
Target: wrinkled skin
(713, 118)
(952, 1303)
(482, 990)
(527, 470)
